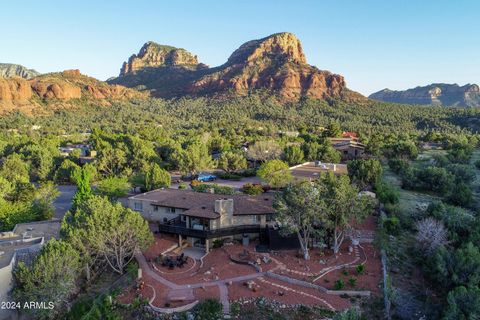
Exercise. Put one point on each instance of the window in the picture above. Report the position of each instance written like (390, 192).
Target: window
(138, 206)
(255, 219)
(155, 208)
(171, 210)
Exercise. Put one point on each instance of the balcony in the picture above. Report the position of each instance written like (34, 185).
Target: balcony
(180, 228)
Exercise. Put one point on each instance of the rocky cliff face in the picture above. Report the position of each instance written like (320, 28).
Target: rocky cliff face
(8, 70)
(439, 94)
(59, 87)
(275, 63)
(153, 55)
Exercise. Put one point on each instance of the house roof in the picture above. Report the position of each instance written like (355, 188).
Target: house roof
(202, 205)
(346, 142)
(310, 170)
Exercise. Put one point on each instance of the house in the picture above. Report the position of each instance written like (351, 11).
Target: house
(349, 147)
(21, 244)
(312, 170)
(85, 150)
(199, 218)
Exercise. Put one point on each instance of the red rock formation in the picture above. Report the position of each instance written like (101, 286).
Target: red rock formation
(14, 89)
(56, 90)
(65, 86)
(275, 63)
(155, 55)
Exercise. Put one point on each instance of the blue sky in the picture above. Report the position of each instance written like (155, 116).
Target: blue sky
(374, 44)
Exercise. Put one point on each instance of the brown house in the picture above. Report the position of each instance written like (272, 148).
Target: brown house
(349, 147)
(199, 218)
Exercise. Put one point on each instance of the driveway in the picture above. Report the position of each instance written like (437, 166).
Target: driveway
(237, 185)
(64, 201)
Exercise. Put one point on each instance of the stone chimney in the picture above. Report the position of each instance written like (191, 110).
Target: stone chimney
(224, 206)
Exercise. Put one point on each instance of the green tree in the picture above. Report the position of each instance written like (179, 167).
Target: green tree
(65, 171)
(328, 154)
(275, 172)
(15, 170)
(193, 158)
(51, 277)
(232, 161)
(12, 213)
(156, 178)
(403, 149)
(364, 172)
(342, 205)
(458, 268)
(299, 210)
(264, 151)
(45, 194)
(106, 233)
(333, 130)
(294, 155)
(112, 161)
(312, 151)
(81, 176)
(463, 303)
(6, 188)
(113, 187)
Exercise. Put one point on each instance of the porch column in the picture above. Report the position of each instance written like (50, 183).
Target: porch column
(180, 240)
(207, 245)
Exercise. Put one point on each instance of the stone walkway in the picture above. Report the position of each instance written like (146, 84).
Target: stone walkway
(222, 284)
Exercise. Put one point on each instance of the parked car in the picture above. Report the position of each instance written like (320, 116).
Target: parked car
(206, 177)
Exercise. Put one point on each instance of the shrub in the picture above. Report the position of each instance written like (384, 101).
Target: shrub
(461, 196)
(392, 225)
(252, 172)
(360, 269)
(339, 284)
(182, 186)
(252, 189)
(209, 309)
(229, 176)
(352, 282)
(195, 183)
(399, 166)
(204, 187)
(386, 193)
(217, 243)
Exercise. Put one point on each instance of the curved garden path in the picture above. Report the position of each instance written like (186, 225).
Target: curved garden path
(223, 283)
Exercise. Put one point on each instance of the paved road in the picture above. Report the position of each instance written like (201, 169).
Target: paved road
(64, 201)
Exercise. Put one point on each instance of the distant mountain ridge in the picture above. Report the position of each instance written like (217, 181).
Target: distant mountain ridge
(275, 63)
(439, 94)
(8, 70)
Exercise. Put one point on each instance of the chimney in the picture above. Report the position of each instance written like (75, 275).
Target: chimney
(224, 206)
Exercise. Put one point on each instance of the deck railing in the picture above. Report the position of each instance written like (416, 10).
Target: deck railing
(212, 233)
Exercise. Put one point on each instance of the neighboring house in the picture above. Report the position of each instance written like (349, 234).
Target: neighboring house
(349, 147)
(21, 244)
(85, 150)
(200, 218)
(312, 170)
